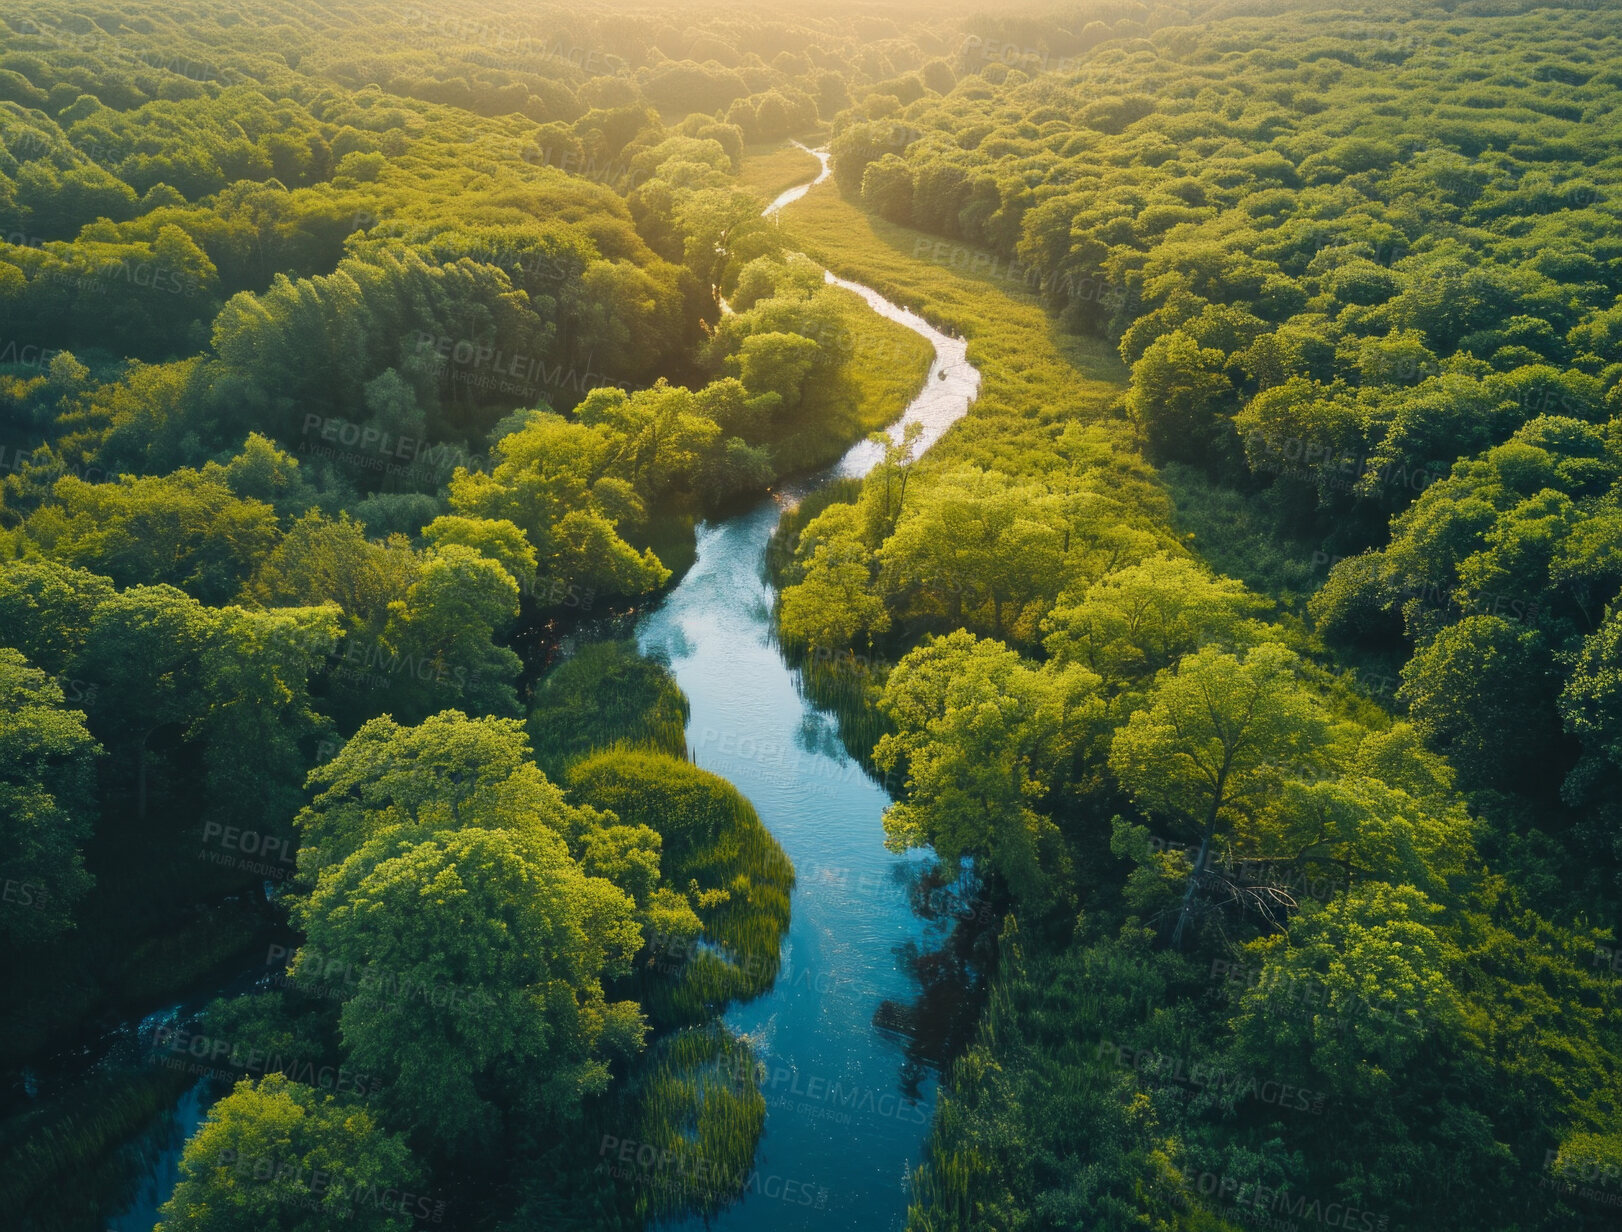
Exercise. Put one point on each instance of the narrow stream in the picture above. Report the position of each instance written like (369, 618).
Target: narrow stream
(847, 1111)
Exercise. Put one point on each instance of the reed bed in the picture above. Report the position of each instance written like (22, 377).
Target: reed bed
(717, 849)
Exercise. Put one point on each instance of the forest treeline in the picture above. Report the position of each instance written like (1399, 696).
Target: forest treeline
(1288, 946)
(349, 354)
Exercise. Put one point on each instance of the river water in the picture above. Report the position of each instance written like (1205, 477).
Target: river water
(847, 1109)
(848, 1102)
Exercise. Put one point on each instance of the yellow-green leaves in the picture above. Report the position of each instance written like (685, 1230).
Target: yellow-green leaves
(278, 1154)
(1145, 617)
(985, 740)
(981, 549)
(835, 604)
(463, 940)
(1217, 729)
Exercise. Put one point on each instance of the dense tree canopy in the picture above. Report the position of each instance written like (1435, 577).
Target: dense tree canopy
(278, 1154)
(47, 800)
(495, 989)
(363, 373)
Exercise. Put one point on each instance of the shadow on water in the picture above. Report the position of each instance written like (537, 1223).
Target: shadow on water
(952, 973)
(154, 1158)
(94, 1138)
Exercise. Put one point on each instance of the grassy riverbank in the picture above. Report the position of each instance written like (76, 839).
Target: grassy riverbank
(771, 169)
(1029, 366)
(885, 366)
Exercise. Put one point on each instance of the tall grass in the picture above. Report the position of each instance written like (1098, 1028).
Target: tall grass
(1249, 536)
(606, 694)
(699, 1100)
(772, 168)
(717, 849)
(61, 1157)
(688, 1116)
(1030, 368)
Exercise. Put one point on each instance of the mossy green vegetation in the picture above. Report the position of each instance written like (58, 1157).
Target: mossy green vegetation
(1244, 537)
(1342, 286)
(771, 170)
(717, 851)
(605, 695)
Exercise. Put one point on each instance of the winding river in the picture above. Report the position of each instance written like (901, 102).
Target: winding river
(848, 1105)
(847, 1112)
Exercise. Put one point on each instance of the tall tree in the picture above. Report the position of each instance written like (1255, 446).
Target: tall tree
(278, 1154)
(1206, 750)
(1147, 616)
(47, 801)
(466, 946)
(985, 741)
(978, 547)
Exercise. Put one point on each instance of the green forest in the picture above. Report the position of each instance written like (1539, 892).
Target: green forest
(1237, 680)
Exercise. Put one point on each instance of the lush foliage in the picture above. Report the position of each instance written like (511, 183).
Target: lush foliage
(354, 362)
(1217, 790)
(281, 1155)
(348, 361)
(1364, 269)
